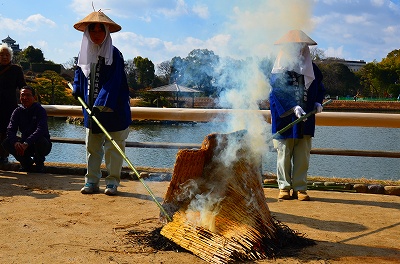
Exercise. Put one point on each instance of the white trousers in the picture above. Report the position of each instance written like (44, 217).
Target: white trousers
(292, 162)
(97, 146)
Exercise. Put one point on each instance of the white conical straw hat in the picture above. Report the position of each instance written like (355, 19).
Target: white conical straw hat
(97, 17)
(296, 36)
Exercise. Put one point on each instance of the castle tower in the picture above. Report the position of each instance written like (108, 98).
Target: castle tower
(11, 43)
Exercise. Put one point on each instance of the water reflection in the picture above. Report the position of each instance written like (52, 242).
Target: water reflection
(359, 138)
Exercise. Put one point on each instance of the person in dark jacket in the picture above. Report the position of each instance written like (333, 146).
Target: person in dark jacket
(30, 120)
(11, 81)
(296, 89)
(100, 80)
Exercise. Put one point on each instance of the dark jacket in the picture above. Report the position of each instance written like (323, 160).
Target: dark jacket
(11, 79)
(31, 122)
(282, 100)
(114, 94)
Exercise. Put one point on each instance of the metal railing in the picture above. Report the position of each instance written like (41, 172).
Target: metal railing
(219, 115)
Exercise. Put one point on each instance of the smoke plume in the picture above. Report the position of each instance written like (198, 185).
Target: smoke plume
(254, 27)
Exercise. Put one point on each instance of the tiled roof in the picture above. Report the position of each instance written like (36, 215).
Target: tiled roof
(174, 88)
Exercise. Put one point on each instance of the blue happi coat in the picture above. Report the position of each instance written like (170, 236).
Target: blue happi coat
(113, 93)
(282, 100)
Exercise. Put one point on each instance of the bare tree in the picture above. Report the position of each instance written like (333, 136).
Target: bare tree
(316, 53)
(164, 70)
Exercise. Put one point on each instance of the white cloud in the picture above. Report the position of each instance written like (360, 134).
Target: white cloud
(353, 19)
(391, 30)
(12, 25)
(145, 18)
(30, 24)
(377, 2)
(158, 50)
(394, 7)
(180, 8)
(219, 41)
(84, 7)
(139, 9)
(38, 19)
(201, 11)
(335, 53)
(162, 29)
(42, 44)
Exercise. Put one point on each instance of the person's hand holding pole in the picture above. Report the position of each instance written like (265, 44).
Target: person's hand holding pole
(301, 118)
(122, 154)
(318, 107)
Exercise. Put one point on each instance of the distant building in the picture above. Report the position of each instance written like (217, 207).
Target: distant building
(11, 43)
(354, 66)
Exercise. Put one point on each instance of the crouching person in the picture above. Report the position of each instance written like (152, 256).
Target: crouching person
(33, 144)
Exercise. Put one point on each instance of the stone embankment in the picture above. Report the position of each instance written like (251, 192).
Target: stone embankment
(364, 106)
(372, 188)
(360, 105)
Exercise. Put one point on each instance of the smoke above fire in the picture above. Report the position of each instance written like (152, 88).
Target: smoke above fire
(255, 26)
(254, 29)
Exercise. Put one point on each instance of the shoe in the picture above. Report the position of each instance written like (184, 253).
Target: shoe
(90, 188)
(111, 189)
(301, 196)
(40, 168)
(25, 169)
(26, 164)
(284, 195)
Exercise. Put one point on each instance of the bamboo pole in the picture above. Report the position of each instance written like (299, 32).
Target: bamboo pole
(298, 120)
(109, 137)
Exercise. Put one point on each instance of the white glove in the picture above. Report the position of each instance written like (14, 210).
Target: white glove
(318, 107)
(298, 111)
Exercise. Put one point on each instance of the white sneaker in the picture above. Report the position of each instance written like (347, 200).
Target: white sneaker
(90, 188)
(111, 189)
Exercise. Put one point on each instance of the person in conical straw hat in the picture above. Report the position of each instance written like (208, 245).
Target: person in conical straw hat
(100, 80)
(296, 89)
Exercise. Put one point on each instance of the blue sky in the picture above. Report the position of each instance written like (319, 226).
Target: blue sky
(161, 29)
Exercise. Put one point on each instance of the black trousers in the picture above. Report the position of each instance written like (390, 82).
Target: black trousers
(38, 151)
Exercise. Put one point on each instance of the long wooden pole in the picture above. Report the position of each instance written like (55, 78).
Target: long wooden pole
(345, 119)
(122, 154)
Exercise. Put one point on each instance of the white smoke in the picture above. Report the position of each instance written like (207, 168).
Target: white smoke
(254, 28)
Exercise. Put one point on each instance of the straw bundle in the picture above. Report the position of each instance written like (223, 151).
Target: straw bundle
(219, 210)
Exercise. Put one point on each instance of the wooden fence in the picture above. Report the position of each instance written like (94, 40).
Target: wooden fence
(219, 115)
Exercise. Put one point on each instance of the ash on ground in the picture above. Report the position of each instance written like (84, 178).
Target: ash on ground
(145, 236)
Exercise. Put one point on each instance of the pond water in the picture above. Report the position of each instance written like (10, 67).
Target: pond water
(357, 138)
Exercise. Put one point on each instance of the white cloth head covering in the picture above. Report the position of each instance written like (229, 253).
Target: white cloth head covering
(290, 58)
(90, 51)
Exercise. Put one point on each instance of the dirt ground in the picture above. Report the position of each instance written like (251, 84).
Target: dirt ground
(45, 219)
